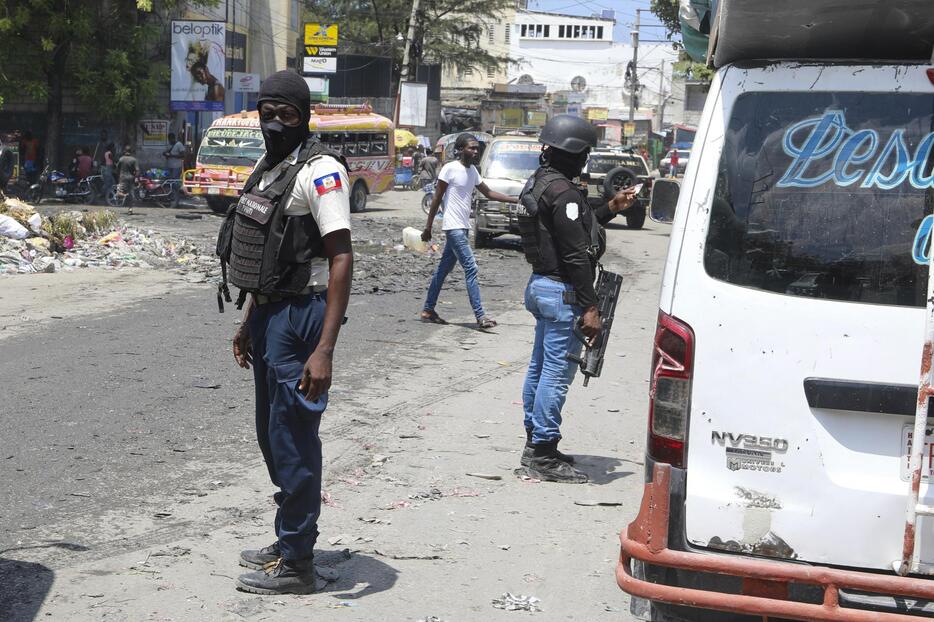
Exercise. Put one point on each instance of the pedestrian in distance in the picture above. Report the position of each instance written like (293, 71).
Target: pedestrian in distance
(107, 168)
(29, 152)
(456, 184)
(174, 157)
(82, 165)
(287, 246)
(127, 172)
(6, 166)
(428, 169)
(563, 239)
(673, 164)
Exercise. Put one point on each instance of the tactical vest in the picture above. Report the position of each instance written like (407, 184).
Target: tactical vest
(535, 223)
(267, 251)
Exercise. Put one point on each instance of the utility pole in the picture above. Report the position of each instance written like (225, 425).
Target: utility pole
(404, 74)
(662, 95)
(634, 79)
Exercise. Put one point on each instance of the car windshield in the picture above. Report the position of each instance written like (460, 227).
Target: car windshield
(512, 160)
(602, 164)
(825, 195)
(681, 154)
(231, 146)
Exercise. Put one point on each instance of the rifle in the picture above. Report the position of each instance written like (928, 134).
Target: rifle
(608, 287)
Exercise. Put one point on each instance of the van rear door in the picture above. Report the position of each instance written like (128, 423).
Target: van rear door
(796, 274)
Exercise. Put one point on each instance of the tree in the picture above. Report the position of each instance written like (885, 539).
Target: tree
(667, 13)
(111, 51)
(447, 31)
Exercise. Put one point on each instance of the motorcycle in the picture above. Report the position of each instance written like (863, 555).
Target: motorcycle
(429, 190)
(57, 185)
(164, 192)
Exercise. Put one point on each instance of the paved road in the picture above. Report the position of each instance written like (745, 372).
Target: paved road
(128, 434)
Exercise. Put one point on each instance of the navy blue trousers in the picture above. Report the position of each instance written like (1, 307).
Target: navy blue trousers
(283, 336)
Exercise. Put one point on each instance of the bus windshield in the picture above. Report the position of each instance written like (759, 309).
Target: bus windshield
(235, 146)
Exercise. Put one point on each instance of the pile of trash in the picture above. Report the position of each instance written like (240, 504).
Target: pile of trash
(30, 243)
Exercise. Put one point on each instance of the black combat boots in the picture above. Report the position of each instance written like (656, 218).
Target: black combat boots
(256, 559)
(280, 577)
(527, 451)
(546, 464)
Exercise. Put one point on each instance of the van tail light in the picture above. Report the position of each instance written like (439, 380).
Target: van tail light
(670, 392)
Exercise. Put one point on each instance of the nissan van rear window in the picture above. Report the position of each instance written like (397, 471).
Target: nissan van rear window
(825, 195)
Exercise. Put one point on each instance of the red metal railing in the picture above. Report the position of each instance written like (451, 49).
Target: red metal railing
(764, 583)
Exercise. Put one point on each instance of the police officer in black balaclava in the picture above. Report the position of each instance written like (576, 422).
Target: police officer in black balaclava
(562, 238)
(287, 247)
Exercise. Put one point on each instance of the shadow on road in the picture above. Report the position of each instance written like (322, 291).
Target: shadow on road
(600, 469)
(356, 570)
(25, 585)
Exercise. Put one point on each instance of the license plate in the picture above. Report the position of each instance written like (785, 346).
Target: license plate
(927, 468)
(214, 190)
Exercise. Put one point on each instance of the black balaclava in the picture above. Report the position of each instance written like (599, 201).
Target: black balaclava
(568, 164)
(284, 87)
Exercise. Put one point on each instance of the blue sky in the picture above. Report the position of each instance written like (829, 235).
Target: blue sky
(625, 14)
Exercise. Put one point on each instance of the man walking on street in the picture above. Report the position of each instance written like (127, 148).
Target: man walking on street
(174, 157)
(287, 246)
(456, 184)
(563, 239)
(127, 172)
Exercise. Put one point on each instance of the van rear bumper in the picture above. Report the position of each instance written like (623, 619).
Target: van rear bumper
(764, 585)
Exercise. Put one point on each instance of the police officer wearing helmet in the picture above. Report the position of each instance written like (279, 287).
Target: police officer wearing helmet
(286, 245)
(562, 238)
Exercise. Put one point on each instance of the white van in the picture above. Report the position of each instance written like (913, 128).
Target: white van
(784, 379)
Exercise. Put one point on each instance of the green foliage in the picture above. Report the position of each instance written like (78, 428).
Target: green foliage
(667, 13)
(447, 31)
(688, 68)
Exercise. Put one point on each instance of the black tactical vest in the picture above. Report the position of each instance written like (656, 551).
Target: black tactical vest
(544, 186)
(268, 252)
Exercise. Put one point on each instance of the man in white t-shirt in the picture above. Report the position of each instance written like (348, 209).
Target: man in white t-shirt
(456, 184)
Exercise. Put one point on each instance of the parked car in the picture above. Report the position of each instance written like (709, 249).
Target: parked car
(664, 167)
(610, 170)
(785, 367)
(506, 165)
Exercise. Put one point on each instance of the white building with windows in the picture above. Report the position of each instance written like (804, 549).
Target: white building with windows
(497, 39)
(574, 54)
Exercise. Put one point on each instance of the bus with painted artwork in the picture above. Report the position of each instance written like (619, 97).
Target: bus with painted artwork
(231, 147)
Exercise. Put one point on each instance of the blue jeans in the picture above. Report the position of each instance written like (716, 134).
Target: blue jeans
(456, 249)
(283, 335)
(549, 373)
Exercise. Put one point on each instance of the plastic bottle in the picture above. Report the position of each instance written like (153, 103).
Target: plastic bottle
(412, 239)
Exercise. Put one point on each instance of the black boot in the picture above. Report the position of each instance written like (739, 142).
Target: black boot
(547, 466)
(257, 558)
(527, 451)
(280, 577)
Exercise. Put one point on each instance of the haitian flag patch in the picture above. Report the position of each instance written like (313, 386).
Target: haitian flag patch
(327, 183)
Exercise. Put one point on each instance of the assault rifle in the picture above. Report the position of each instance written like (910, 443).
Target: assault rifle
(591, 363)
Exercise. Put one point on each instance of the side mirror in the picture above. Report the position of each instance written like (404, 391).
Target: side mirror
(664, 200)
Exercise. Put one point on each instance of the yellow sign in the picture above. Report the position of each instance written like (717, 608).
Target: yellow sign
(629, 129)
(321, 34)
(597, 114)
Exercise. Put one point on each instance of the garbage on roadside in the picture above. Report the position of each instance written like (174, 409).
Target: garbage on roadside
(32, 243)
(514, 602)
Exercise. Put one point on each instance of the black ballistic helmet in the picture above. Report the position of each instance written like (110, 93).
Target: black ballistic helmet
(568, 133)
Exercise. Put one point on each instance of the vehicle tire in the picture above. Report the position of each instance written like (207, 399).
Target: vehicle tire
(358, 197)
(618, 178)
(481, 239)
(635, 218)
(84, 187)
(113, 200)
(426, 201)
(34, 196)
(218, 205)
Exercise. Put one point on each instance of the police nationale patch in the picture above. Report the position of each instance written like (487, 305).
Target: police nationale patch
(328, 183)
(572, 211)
